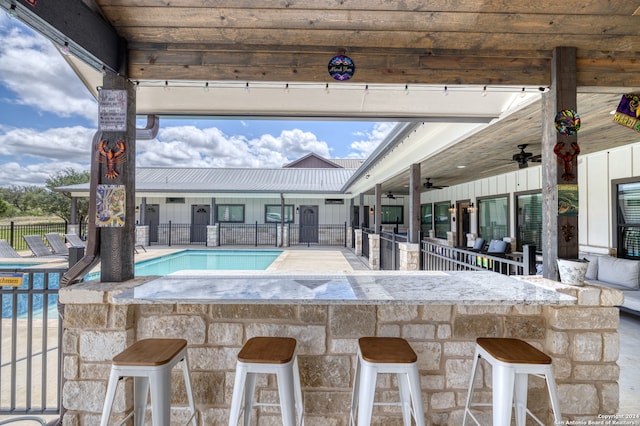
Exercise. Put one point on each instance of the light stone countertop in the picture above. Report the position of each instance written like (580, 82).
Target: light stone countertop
(358, 287)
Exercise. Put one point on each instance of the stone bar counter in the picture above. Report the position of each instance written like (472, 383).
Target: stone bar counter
(439, 313)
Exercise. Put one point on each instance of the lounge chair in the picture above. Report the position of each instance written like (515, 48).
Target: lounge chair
(37, 246)
(74, 240)
(58, 245)
(7, 251)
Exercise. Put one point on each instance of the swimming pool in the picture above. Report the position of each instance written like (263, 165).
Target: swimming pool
(246, 260)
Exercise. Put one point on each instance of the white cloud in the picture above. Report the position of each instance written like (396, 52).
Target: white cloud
(32, 68)
(189, 146)
(15, 174)
(364, 148)
(63, 144)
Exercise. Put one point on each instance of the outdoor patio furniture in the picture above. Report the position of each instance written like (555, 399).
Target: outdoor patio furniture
(7, 251)
(37, 246)
(75, 240)
(57, 244)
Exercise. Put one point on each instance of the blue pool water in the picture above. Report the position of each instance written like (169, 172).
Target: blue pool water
(165, 265)
(18, 296)
(246, 260)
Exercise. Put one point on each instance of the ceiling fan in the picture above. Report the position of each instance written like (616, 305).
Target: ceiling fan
(524, 158)
(391, 196)
(429, 185)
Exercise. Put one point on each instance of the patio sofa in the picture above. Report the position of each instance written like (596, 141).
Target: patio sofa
(621, 274)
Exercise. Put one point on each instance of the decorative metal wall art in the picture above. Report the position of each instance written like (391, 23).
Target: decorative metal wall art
(112, 157)
(341, 68)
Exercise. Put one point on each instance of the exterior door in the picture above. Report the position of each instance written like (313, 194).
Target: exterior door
(152, 220)
(308, 224)
(200, 214)
(464, 223)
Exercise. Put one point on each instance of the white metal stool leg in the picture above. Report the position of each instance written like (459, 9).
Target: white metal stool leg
(268, 355)
(149, 362)
(238, 395)
(512, 361)
(110, 395)
(140, 393)
(385, 355)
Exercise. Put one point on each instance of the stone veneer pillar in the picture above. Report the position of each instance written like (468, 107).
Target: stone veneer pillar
(358, 245)
(409, 256)
(582, 339)
(142, 235)
(349, 239)
(212, 236)
(73, 228)
(374, 252)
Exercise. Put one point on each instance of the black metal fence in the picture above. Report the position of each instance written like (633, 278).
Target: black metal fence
(365, 242)
(324, 235)
(389, 250)
(13, 233)
(440, 257)
(31, 335)
(248, 234)
(168, 234)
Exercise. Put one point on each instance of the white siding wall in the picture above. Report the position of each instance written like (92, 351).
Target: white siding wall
(595, 173)
(254, 208)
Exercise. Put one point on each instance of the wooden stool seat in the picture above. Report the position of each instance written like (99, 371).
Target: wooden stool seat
(150, 352)
(512, 361)
(385, 355)
(386, 350)
(268, 350)
(149, 362)
(267, 355)
(513, 351)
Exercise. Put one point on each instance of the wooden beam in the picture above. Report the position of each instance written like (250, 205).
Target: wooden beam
(89, 36)
(559, 232)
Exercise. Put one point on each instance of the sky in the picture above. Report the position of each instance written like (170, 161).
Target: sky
(48, 119)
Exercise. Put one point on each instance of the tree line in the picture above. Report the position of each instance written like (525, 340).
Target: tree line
(16, 201)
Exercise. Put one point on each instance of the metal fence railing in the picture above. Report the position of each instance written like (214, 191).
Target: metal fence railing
(324, 234)
(168, 234)
(440, 257)
(31, 335)
(389, 250)
(13, 232)
(248, 234)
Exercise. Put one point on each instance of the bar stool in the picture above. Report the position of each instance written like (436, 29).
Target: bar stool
(512, 361)
(386, 355)
(267, 355)
(149, 362)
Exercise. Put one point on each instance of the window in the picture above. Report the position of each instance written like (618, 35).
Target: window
(442, 220)
(230, 213)
(174, 200)
(392, 214)
(426, 217)
(272, 213)
(628, 220)
(493, 218)
(529, 220)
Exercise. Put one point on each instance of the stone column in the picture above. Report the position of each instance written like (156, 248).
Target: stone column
(374, 251)
(349, 236)
(358, 237)
(142, 235)
(212, 236)
(409, 256)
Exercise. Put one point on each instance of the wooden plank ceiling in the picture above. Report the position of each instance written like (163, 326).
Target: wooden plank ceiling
(442, 42)
(414, 41)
